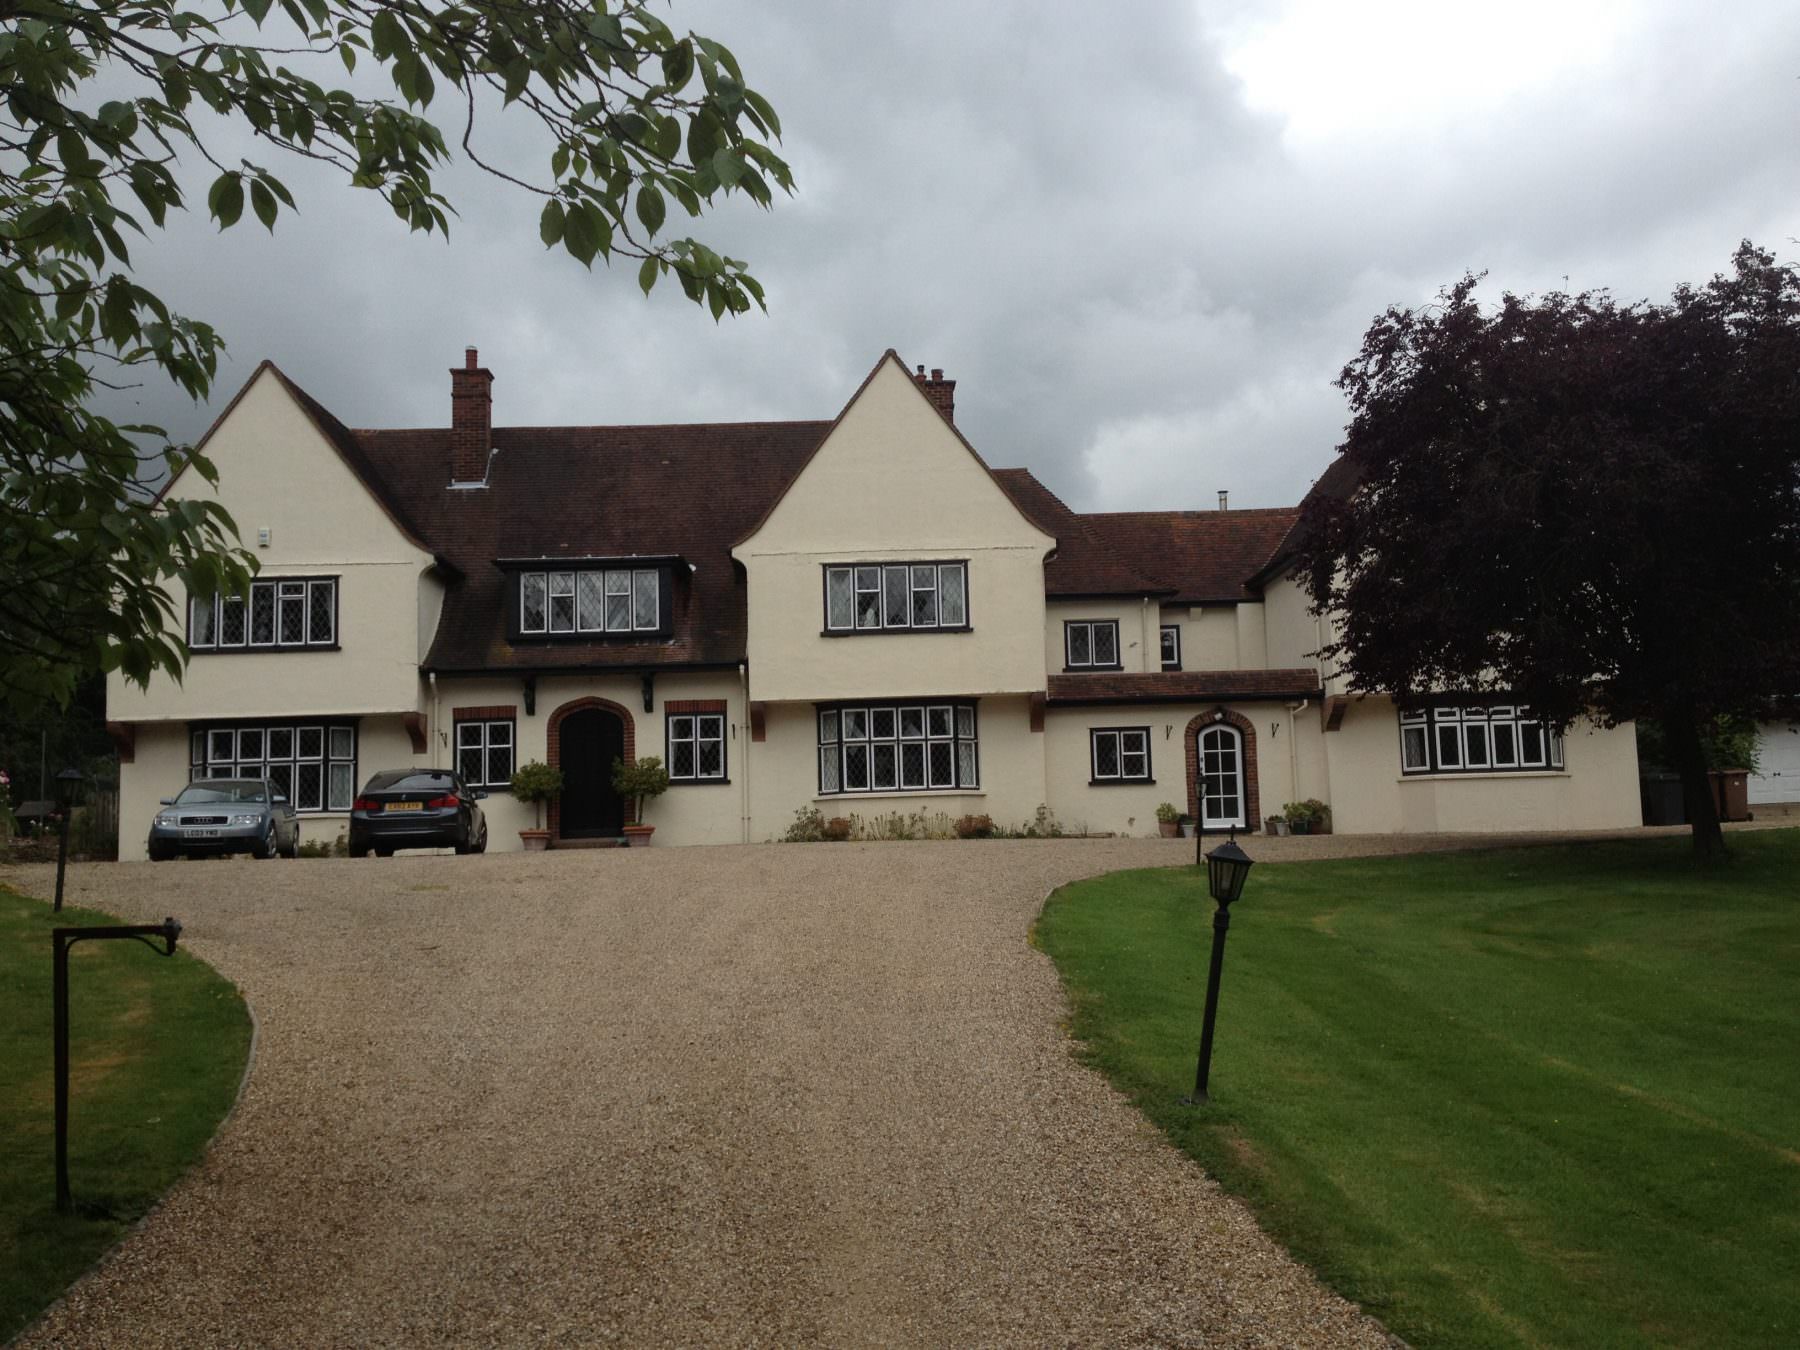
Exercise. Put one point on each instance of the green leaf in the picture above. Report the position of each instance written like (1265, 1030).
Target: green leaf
(579, 236)
(650, 208)
(550, 224)
(647, 274)
(225, 203)
(262, 201)
(728, 167)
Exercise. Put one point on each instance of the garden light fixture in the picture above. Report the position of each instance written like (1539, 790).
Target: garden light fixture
(1227, 866)
(68, 783)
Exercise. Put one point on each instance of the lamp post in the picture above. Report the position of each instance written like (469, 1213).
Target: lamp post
(67, 781)
(1226, 868)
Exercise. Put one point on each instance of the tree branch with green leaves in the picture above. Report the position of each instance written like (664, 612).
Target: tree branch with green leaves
(640, 123)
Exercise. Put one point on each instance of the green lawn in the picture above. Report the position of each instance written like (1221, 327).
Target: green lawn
(157, 1047)
(1530, 1097)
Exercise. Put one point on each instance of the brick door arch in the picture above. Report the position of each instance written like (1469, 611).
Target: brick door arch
(553, 743)
(1245, 728)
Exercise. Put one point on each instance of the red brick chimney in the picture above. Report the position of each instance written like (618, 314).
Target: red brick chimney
(471, 420)
(940, 391)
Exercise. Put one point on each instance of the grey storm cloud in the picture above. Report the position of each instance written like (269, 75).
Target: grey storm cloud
(1143, 271)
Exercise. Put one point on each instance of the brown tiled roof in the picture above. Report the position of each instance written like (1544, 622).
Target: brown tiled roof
(1184, 686)
(577, 492)
(1202, 557)
(1339, 480)
(1083, 564)
(690, 491)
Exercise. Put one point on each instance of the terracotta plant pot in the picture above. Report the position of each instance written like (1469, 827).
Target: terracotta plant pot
(1169, 829)
(535, 841)
(638, 836)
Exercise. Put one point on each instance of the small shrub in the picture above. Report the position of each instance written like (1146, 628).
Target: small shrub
(315, 848)
(975, 827)
(1311, 816)
(837, 829)
(639, 781)
(808, 827)
(537, 783)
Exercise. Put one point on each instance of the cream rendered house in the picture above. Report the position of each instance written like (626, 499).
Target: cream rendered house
(856, 615)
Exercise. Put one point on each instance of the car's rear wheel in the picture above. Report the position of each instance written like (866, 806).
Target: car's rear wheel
(384, 851)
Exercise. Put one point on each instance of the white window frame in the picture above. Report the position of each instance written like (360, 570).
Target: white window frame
(1171, 639)
(486, 736)
(898, 738)
(696, 730)
(1484, 730)
(875, 579)
(1121, 739)
(272, 750)
(307, 595)
(1090, 627)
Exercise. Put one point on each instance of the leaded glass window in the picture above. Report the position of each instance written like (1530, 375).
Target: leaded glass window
(696, 747)
(875, 597)
(903, 747)
(314, 766)
(1501, 738)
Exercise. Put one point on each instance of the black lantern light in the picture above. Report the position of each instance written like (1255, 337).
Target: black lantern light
(68, 783)
(1227, 867)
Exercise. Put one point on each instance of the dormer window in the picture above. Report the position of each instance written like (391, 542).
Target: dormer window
(592, 602)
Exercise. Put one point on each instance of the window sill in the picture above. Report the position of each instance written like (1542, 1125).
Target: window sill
(1480, 775)
(1121, 782)
(699, 782)
(1092, 670)
(891, 632)
(900, 794)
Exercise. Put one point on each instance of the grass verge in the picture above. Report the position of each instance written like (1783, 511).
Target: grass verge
(156, 1050)
(1528, 1097)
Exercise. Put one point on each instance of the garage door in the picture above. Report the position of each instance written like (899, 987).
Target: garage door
(1778, 775)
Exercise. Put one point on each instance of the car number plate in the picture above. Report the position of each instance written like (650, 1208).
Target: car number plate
(405, 806)
(199, 834)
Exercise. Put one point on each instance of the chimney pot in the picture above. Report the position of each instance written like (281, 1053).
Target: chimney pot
(940, 391)
(1223, 496)
(470, 360)
(936, 374)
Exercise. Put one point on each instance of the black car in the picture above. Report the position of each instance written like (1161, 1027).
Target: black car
(416, 808)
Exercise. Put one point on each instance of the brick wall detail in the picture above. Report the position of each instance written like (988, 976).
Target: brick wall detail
(471, 419)
(490, 712)
(693, 705)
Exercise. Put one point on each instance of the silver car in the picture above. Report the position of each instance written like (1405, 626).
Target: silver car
(226, 815)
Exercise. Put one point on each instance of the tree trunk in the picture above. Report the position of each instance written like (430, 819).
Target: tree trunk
(1683, 732)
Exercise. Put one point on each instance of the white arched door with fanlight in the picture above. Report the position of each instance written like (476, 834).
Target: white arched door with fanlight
(1221, 785)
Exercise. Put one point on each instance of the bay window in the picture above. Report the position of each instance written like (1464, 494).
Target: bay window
(313, 764)
(1502, 738)
(898, 747)
(593, 601)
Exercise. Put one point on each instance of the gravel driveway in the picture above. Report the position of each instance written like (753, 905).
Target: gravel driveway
(735, 1095)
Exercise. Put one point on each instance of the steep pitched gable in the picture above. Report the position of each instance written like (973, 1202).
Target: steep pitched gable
(877, 467)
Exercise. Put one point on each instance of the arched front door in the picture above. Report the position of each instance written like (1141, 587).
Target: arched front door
(590, 739)
(1221, 787)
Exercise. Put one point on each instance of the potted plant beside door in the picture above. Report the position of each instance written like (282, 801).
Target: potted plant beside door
(637, 783)
(536, 783)
(1168, 821)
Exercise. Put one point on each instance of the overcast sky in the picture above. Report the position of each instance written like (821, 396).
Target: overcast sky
(1143, 238)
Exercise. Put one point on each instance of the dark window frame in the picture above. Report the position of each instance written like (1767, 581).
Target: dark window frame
(884, 723)
(696, 778)
(1456, 735)
(883, 626)
(487, 724)
(1120, 779)
(217, 646)
(1118, 661)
